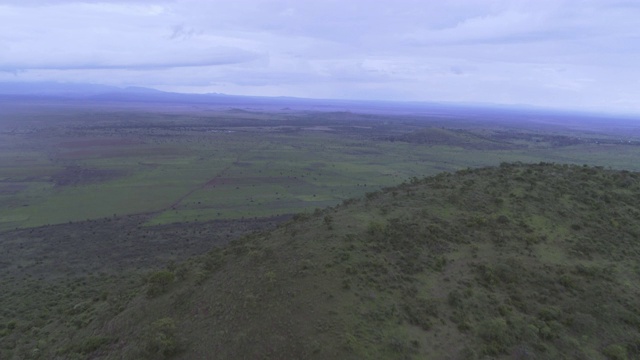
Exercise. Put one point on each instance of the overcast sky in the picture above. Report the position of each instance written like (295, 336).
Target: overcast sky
(558, 53)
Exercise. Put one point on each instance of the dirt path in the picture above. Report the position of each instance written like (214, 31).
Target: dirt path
(209, 182)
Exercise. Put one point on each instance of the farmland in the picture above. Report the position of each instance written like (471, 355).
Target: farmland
(78, 162)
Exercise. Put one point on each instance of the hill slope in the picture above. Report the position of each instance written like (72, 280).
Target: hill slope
(515, 262)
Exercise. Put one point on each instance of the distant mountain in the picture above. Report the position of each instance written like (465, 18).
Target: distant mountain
(447, 111)
(98, 92)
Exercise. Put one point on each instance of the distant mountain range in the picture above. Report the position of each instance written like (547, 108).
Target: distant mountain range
(106, 93)
(96, 92)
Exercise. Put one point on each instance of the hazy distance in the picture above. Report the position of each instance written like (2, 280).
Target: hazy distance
(580, 55)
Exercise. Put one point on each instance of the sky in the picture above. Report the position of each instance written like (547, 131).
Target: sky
(572, 54)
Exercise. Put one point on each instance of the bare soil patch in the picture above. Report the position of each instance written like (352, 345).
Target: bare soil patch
(78, 175)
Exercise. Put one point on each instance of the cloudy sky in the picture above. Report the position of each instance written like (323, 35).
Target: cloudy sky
(581, 54)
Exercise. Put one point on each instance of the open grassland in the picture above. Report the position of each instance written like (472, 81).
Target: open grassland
(75, 163)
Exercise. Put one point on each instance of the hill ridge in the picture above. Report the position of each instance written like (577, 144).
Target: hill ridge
(522, 261)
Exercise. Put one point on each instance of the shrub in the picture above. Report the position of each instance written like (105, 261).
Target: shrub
(375, 228)
(420, 311)
(503, 219)
(161, 339)
(615, 352)
(439, 263)
(301, 217)
(372, 195)
(159, 282)
(328, 221)
(213, 261)
(92, 344)
(486, 275)
(496, 335)
(454, 299)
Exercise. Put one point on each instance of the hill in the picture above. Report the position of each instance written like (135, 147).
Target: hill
(518, 261)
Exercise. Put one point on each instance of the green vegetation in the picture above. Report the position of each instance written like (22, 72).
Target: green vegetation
(202, 165)
(512, 261)
(159, 282)
(135, 232)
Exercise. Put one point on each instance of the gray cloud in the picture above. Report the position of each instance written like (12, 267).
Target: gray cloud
(544, 52)
(181, 32)
(149, 62)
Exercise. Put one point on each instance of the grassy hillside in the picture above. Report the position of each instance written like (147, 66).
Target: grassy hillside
(516, 262)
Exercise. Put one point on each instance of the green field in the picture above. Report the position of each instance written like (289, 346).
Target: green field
(77, 164)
